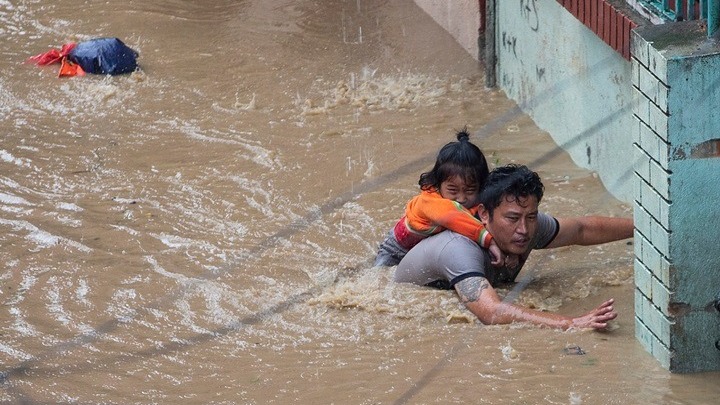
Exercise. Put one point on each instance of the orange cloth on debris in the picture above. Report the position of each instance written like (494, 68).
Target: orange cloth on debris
(53, 55)
(67, 68)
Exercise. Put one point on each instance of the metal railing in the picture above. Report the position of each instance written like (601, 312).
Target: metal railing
(683, 10)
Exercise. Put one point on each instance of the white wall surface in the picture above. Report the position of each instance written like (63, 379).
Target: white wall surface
(573, 85)
(461, 18)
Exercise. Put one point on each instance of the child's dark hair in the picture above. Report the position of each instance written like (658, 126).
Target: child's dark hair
(461, 158)
(510, 181)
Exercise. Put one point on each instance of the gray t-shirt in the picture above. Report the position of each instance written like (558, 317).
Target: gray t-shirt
(444, 259)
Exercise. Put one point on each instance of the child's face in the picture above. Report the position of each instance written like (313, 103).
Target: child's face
(454, 188)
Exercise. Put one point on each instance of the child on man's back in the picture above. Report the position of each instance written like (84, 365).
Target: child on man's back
(447, 200)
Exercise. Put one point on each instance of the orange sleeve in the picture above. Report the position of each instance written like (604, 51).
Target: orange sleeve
(429, 213)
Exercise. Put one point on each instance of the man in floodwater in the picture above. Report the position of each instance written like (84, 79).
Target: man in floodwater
(509, 210)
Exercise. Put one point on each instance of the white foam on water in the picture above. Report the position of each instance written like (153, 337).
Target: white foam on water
(216, 297)
(180, 278)
(215, 294)
(70, 222)
(198, 212)
(257, 154)
(188, 316)
(123, 228)
(29, 279)
(260, 198)
(54, 306)
(7, 5)
(20, 21)
(21, 206)
(198, 251)
(8, 102)
(385, 92)
(174, 241)
(69, 207)
(121, 200)
(15, 210)
(95, 96)
(122, 306)
(7, 157)
(509, 353)
(19, 323)
(81, 293)
(41, 238)
(13, 200)
(13, 352)
(370, 292)
(10, 183)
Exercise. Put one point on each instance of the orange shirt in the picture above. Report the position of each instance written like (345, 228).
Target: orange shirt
(429, 213)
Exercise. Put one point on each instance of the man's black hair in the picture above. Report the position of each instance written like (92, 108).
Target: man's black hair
(510, 182)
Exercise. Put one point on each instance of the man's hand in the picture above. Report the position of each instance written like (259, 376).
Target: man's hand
(482, 300)
(597, 318)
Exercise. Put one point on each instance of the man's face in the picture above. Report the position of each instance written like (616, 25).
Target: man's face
(513, 223)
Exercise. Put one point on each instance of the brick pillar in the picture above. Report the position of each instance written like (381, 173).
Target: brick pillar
(677, 194)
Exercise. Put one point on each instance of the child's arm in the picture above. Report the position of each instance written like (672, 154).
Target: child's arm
(428, 212)
(500, 259)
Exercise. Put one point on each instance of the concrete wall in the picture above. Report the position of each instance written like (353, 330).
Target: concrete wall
(461, 18)
(573, 85)
(675, 77)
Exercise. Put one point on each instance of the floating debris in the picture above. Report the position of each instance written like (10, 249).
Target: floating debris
(573, 350)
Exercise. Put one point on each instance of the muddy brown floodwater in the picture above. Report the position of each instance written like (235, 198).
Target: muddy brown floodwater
(201, 231)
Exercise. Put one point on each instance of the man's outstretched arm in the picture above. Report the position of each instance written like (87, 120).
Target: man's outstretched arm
(591, 230)
(481, 299)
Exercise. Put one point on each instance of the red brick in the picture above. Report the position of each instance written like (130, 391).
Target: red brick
(600, 19)
(588, 13)
(613, 28)
(606, 23)
(607, 17)
(619, 26)
(626, 37)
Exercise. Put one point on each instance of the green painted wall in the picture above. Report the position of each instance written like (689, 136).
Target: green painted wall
(676, 76)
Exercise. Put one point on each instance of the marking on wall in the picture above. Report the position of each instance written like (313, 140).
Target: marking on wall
(509, 42)
(528, 9)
